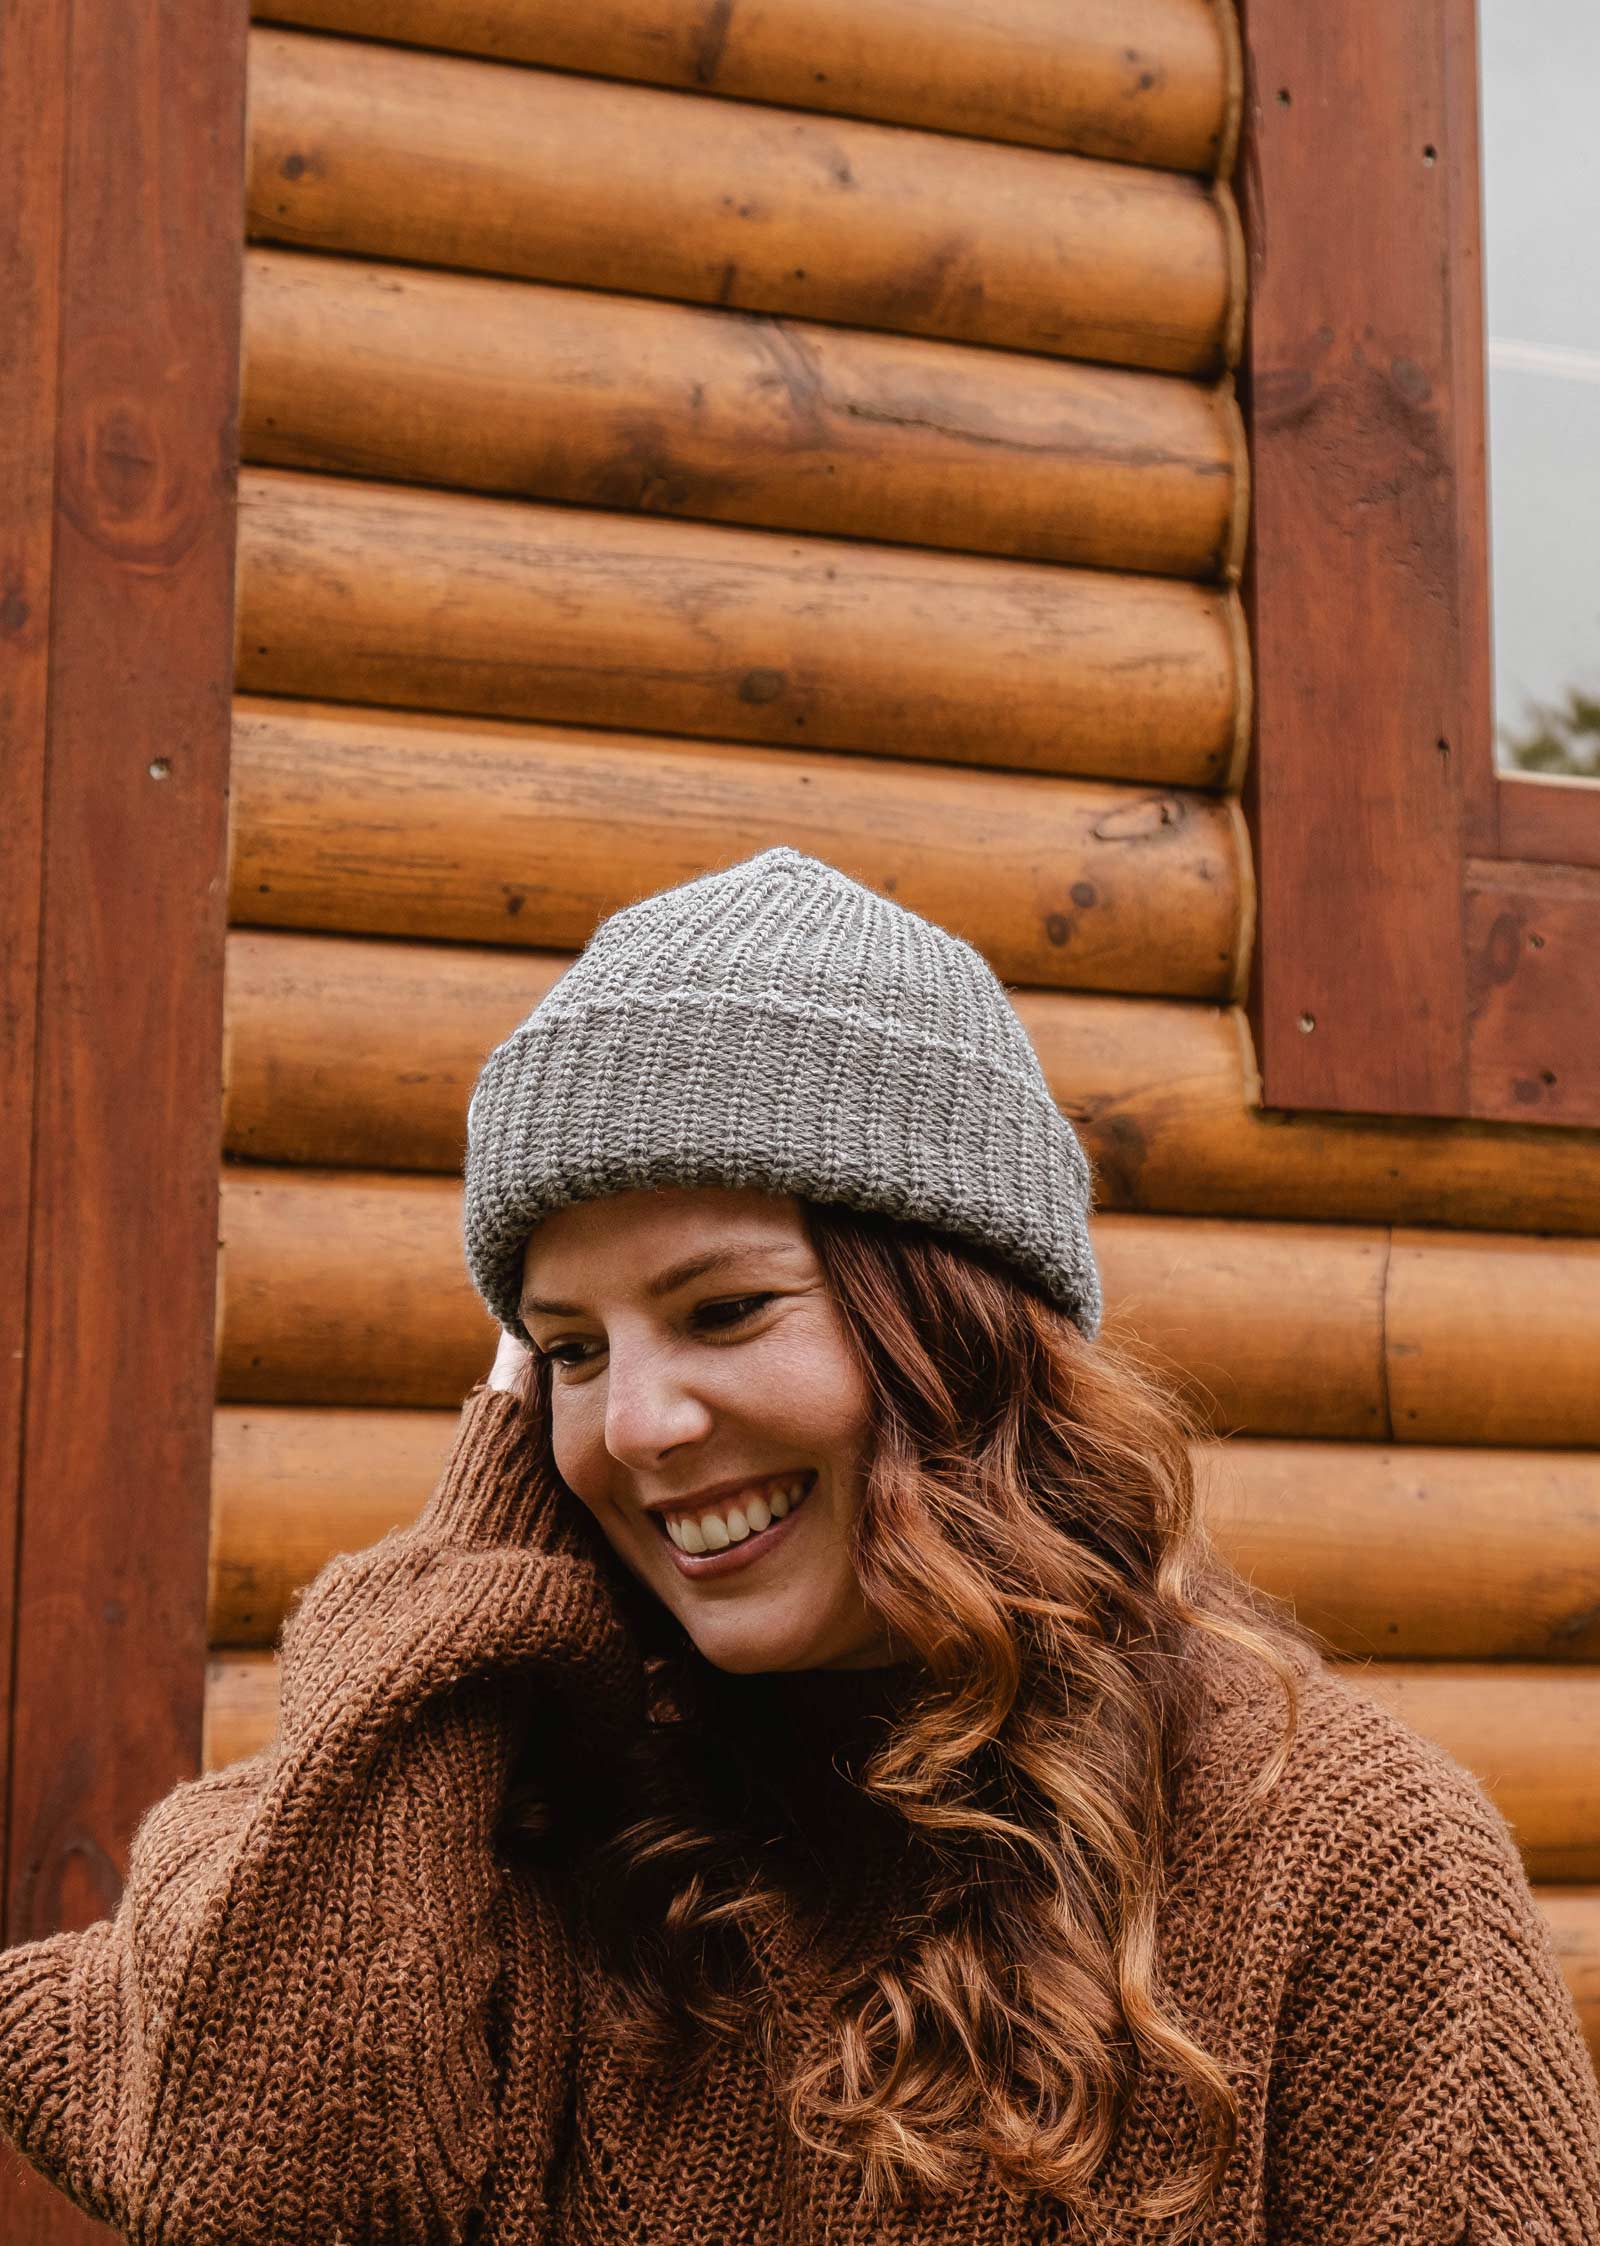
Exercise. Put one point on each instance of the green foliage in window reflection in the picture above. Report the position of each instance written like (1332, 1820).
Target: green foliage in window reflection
(1559, 736)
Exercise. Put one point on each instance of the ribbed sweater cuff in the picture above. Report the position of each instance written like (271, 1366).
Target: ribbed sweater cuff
(484, 1495)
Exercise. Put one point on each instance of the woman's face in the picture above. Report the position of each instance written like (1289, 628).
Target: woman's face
(707, 1410)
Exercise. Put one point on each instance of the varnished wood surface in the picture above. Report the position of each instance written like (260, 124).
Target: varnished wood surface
(349, 1287)
(121, 168)
(1391, 1551)
(380, 151)
(625, 402)
(346, 1051)
(1142, 81)
(430, 600)
(1533, 1040)
(1356, 609)
(357, 819)
(118, 1260)
(33, 138)
(1417, 1551)
(1548, 818)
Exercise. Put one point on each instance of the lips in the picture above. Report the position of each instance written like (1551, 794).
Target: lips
(739, 1551)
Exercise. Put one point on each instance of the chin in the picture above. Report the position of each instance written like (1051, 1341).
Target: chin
(740, 1656)
(746, 1649)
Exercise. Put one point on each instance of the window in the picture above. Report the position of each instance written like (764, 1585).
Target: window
(1429, 923)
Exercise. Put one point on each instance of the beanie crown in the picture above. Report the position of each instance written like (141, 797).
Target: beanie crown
(777, 1024)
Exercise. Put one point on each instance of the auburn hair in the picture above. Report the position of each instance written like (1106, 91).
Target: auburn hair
(1030, 1534)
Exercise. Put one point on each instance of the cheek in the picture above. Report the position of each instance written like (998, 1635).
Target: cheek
(578, 1445)
(809, 1387)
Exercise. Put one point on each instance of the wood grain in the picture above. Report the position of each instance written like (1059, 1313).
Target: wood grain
(1548, 818)
(380, 151)
(121, 167)
(33, 136)
(109, 1641)
(1405, 1552)
(1493, 1338)
(290, 1488)
(1365, 536)
(668, 409)
(348, 1287)
(1142, 81)
(1532, 937)
(443, 828)
(347, 1051)
(1418, 1551)
(375, 593)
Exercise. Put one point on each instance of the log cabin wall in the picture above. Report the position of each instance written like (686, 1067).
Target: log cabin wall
(668, 431)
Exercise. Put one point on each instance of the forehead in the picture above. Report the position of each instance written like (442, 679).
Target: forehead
(635, 1242)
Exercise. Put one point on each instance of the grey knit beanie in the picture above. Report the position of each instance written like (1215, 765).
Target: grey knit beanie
(778, 1025)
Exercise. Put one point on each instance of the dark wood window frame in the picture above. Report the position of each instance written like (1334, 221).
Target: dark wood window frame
(1429, 929)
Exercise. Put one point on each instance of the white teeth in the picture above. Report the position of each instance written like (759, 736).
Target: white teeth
(715, 1532)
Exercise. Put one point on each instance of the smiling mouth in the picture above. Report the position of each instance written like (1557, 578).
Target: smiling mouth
(730, 1536)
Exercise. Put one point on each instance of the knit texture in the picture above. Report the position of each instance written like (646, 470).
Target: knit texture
(779, 1025)
(336, 2006)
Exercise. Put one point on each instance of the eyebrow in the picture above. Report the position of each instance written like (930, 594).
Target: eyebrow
(676, 1275)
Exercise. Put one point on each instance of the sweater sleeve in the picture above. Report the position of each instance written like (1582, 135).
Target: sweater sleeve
(288, 2029)
(1431, 2085)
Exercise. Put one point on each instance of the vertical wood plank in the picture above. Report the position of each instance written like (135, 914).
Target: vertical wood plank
(107, 1645)
(1462, 159)
(33, 79)
(1367, 545)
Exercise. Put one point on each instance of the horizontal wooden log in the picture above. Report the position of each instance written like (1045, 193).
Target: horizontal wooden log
(434, 160)
(1573, 1915)
(1268, 1329)
(349, 1288)
(346, 1289)
(1357, 1331)
(667, 409)
(431, 600)
(358, 820)
(353, 1053)
(346, 1051)
(1417, 1551)
(1526, 1733)
(290, 1488)
(241, 1707)
(1453, 1302)
(1169, 1099)
(1143, 81)
(1414, 1553)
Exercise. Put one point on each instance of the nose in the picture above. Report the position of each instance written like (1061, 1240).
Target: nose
(650, 1409)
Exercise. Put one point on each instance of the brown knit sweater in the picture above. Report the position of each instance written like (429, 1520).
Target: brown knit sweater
(336, 2006)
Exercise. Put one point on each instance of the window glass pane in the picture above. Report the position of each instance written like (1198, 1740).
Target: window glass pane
(1540, 80)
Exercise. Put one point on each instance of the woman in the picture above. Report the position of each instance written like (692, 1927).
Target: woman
(803, 1777)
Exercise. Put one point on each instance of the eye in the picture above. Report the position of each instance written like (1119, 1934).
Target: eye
(734, 1310)
(560, 1354)
(741, 1306)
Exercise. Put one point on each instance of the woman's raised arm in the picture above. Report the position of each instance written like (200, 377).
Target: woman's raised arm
(286, 2030)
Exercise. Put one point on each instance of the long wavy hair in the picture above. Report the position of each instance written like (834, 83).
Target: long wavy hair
(1030, 1534)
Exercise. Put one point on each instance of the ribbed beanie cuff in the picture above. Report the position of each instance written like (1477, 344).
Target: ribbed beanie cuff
(778, 1025)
